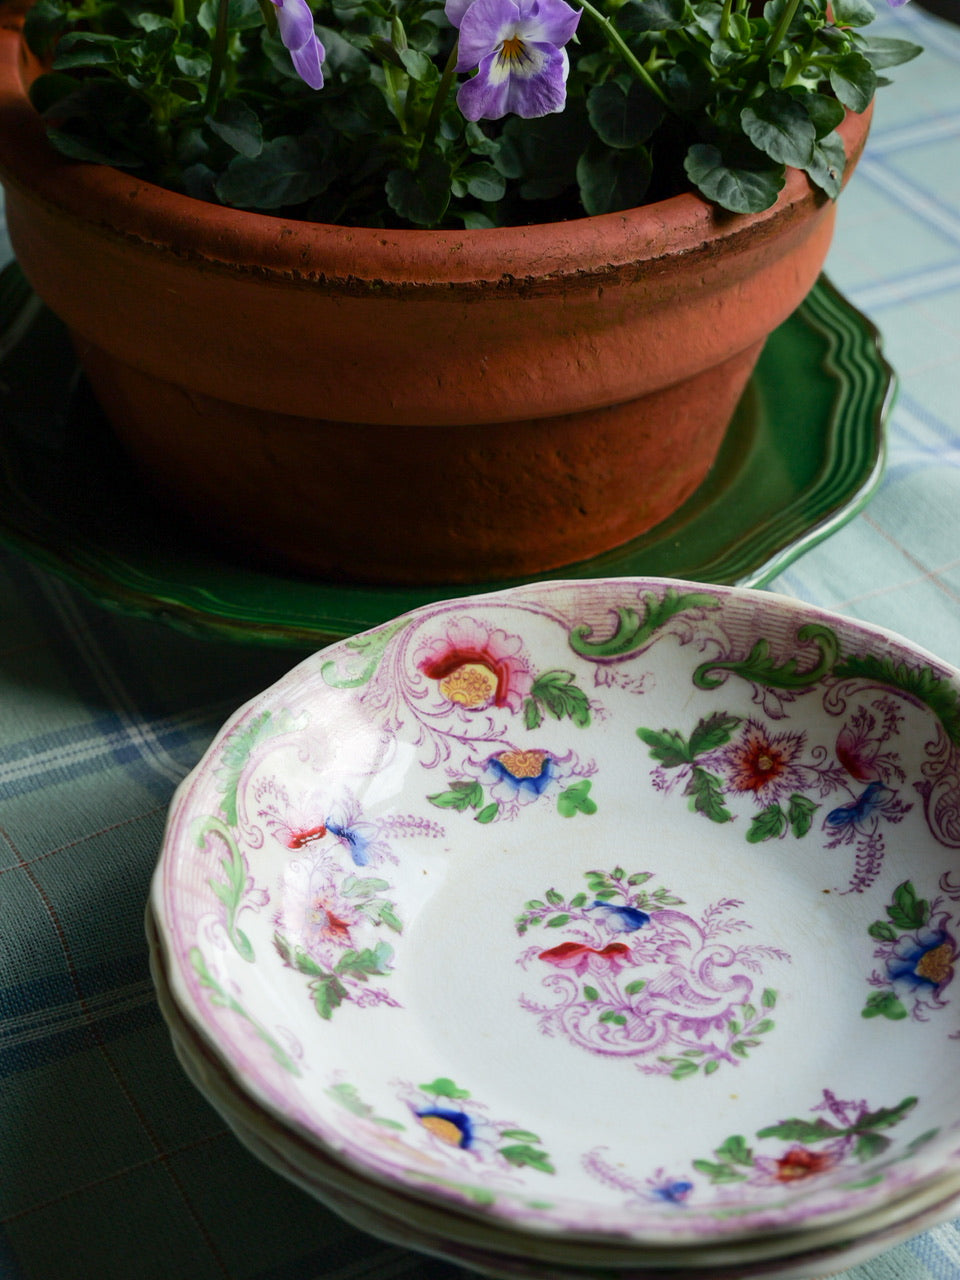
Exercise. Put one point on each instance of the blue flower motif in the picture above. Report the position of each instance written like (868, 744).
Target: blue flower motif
(526, 774)
(452, 1127)
(621, 919)
(922, 960)
(673, 1192)
(356, 842)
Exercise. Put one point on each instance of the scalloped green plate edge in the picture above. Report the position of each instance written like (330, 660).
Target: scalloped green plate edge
(804, 453)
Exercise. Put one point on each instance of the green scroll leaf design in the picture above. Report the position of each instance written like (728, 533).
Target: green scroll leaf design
(231, 888)
(444, 1087)
(223, 1000)
(523, 1155)
(635, 629)
(555, 693)
(800, 813)
(922, 683)
(769, 824)
(359, 666)
(760, 668)
(237, 750)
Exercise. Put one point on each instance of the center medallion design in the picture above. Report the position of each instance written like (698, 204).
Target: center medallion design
(631, 975)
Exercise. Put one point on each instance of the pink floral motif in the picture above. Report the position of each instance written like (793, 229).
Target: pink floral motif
(476, 666)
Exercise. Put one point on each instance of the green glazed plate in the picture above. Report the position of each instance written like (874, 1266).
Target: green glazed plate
(804, 453)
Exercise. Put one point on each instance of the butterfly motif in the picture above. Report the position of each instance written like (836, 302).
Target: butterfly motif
(852, 814)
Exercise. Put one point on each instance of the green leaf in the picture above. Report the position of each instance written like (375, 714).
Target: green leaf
(740, 189)
(541, 154)
(634, 988)
(706, 795)
(614, 1018)
(869, 1145)
(557, 922)
(683, 1069)
(800, 813)
(826, 113)
(524, 1156)
(653, 15)
(885, 1117)
(483, 182)
(443, 1087)
(87, 49)
(735, 1150)
(769, 998)
(710, 1067)
(765, 1025)
(560, 697)
(43, 23)
(712, 732)
(827, 165)
(488, 813)
(328, 994)
(667, 747)
(853, 13)
(419, 67)
(591, 993)
(288, 171)
(882, 51)
(769, 824)
(520, 1135)
(718, 1173)
(803, 1131)
(421, 196)
(238, 126)
(532, 715)
(369, 961)
(907, 911)
(576, 799)
(623, 117)
(853, 80)
(883, 931)
(884, 1004)
(461, 796)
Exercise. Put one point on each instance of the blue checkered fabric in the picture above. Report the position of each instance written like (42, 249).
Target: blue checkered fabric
(112, 1167)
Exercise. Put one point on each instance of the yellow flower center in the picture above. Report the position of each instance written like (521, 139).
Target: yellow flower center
(513, 50)
(445, 1130)
(472, 685)
(524, 764)
(936, 965)
(764, 763)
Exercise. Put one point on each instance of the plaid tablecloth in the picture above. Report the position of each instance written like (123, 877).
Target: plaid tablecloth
(111, 1166)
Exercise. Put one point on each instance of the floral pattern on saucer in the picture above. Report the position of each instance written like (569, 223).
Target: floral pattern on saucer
(651, 837)
(636, 977)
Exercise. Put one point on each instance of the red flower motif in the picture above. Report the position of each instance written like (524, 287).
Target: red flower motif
(478, 667)
(579, 957)
(799, 1163)
(764, 763)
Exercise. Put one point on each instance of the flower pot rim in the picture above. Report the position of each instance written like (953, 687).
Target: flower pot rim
(119, 203)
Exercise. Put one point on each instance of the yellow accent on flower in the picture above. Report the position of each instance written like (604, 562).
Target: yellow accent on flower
(937, 964)
(524, 764)
(513, 50)
(472, 685)
(443, 1129)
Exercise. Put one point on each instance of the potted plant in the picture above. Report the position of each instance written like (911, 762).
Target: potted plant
(407, 293)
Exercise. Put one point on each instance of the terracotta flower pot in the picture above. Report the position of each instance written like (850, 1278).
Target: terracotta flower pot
(407, 406)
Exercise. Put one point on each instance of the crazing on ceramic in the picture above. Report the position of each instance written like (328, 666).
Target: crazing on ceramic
(585, 904)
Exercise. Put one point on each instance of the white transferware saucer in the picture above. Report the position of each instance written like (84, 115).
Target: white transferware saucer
(623, 910)
(480, 1245)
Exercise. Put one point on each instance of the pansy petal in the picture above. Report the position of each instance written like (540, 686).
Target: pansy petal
(455, 9)
(484, 26)
(295, 21)
(548, 22)
(495, 91)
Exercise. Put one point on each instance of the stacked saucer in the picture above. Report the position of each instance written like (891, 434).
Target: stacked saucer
(585, 929)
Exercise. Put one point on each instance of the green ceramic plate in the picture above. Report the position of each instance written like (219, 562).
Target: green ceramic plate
(804, 453)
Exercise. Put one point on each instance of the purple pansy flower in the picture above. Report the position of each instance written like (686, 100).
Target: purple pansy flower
(295, 20)
(517, 46)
